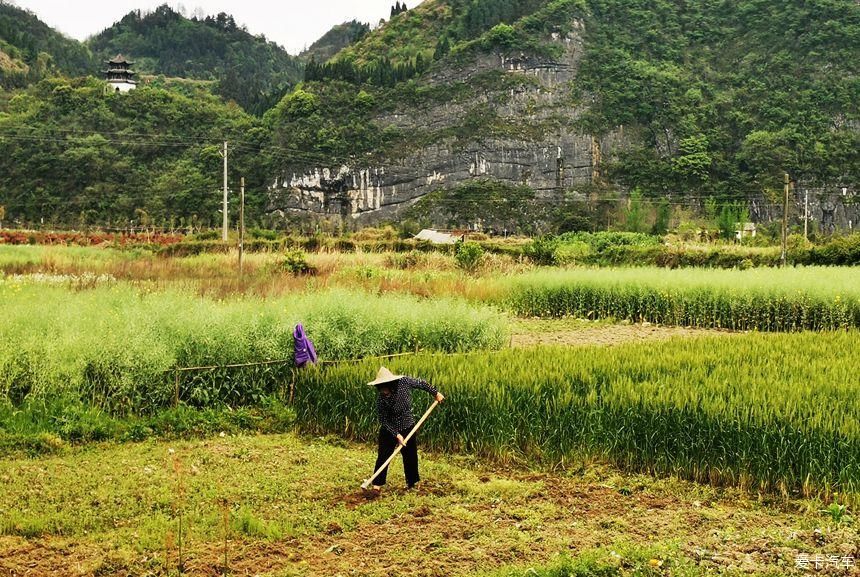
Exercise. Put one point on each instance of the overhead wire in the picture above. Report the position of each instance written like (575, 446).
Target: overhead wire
(285, 155)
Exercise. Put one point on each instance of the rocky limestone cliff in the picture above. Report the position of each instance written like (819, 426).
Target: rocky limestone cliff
(525, 134)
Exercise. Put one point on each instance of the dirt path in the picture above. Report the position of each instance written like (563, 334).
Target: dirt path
(583, 333)
(310, 518)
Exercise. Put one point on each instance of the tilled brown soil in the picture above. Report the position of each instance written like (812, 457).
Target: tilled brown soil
(477, 532)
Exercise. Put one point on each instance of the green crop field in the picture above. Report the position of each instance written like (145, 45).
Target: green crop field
(766, 411)
(795, 299)
(115, 345)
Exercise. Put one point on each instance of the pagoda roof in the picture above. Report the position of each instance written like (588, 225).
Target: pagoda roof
(119, 59)
(120, 71)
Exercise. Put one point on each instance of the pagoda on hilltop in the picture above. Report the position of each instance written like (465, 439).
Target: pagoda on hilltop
(120, 75)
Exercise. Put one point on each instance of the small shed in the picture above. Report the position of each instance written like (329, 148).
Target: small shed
(745, 230)
(435, 237)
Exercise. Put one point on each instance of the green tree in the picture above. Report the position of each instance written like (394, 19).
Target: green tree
(732, 216)
(770, 155)
(634, 214)
(693, 163)
(468, 256)
(662, 217)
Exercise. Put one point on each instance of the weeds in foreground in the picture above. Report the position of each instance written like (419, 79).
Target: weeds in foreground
(470, 515)
(178, 503)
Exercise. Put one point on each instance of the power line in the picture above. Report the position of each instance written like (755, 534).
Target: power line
(281, 154)
(278, 152)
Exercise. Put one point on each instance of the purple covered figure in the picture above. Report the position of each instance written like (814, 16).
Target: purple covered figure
(305, 352)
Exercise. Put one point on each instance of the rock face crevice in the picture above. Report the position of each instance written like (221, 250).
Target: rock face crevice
(525, 134)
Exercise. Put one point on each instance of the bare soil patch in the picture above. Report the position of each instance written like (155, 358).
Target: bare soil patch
(608, 335)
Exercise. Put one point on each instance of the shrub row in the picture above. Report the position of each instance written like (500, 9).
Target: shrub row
(32, 237)
(632, 249)
(840, 251)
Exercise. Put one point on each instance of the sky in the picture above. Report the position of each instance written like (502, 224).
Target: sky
(294, 25)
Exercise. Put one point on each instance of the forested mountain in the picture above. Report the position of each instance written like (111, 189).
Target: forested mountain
(705, 99)
(727, 95)
(335, 40)
(31, 50)
(556, 109)
(248, 69)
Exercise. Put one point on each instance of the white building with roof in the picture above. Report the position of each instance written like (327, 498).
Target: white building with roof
(119, 74)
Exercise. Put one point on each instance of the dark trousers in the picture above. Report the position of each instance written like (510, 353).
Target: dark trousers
(387, 444)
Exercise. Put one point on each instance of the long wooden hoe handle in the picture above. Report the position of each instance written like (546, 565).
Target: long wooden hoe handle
(366, 484)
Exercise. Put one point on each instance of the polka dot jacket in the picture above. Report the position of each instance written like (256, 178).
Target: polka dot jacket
(395, 410)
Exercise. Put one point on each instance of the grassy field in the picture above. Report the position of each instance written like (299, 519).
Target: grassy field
(764, 299)
(291, 506)
(775, 413)
(665, 454)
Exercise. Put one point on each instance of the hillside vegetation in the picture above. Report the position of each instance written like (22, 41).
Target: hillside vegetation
(31, 50)
(710, 100)
(335, 40)
(728, 95)
(72, 154)
(249, 69)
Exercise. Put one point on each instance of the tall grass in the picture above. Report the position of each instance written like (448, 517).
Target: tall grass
(24, 259)
(126, 264)
(114, 345)
(816, 298)
(770, 411)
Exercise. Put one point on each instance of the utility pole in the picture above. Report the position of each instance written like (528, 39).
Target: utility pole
(785, 221)
(241, 225)
(806, 214)
(226, 222)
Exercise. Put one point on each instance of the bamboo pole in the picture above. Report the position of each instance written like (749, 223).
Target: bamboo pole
(367, 482)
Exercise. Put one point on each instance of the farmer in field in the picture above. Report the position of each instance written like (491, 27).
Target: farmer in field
(394, 407)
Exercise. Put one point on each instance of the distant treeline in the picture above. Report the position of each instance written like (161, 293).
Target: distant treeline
(33, 50)
(398, 9)
(378, 73)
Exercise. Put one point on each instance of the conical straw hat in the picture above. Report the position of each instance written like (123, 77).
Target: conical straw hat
(384, 376)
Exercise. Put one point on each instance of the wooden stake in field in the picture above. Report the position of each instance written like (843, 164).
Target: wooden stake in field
(367, 482)
(225, 515)
(178, 503)
(176, 387)
(241, 226)
(226, 221)
(784, 257)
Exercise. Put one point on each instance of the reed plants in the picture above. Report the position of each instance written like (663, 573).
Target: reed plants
(115, 346)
